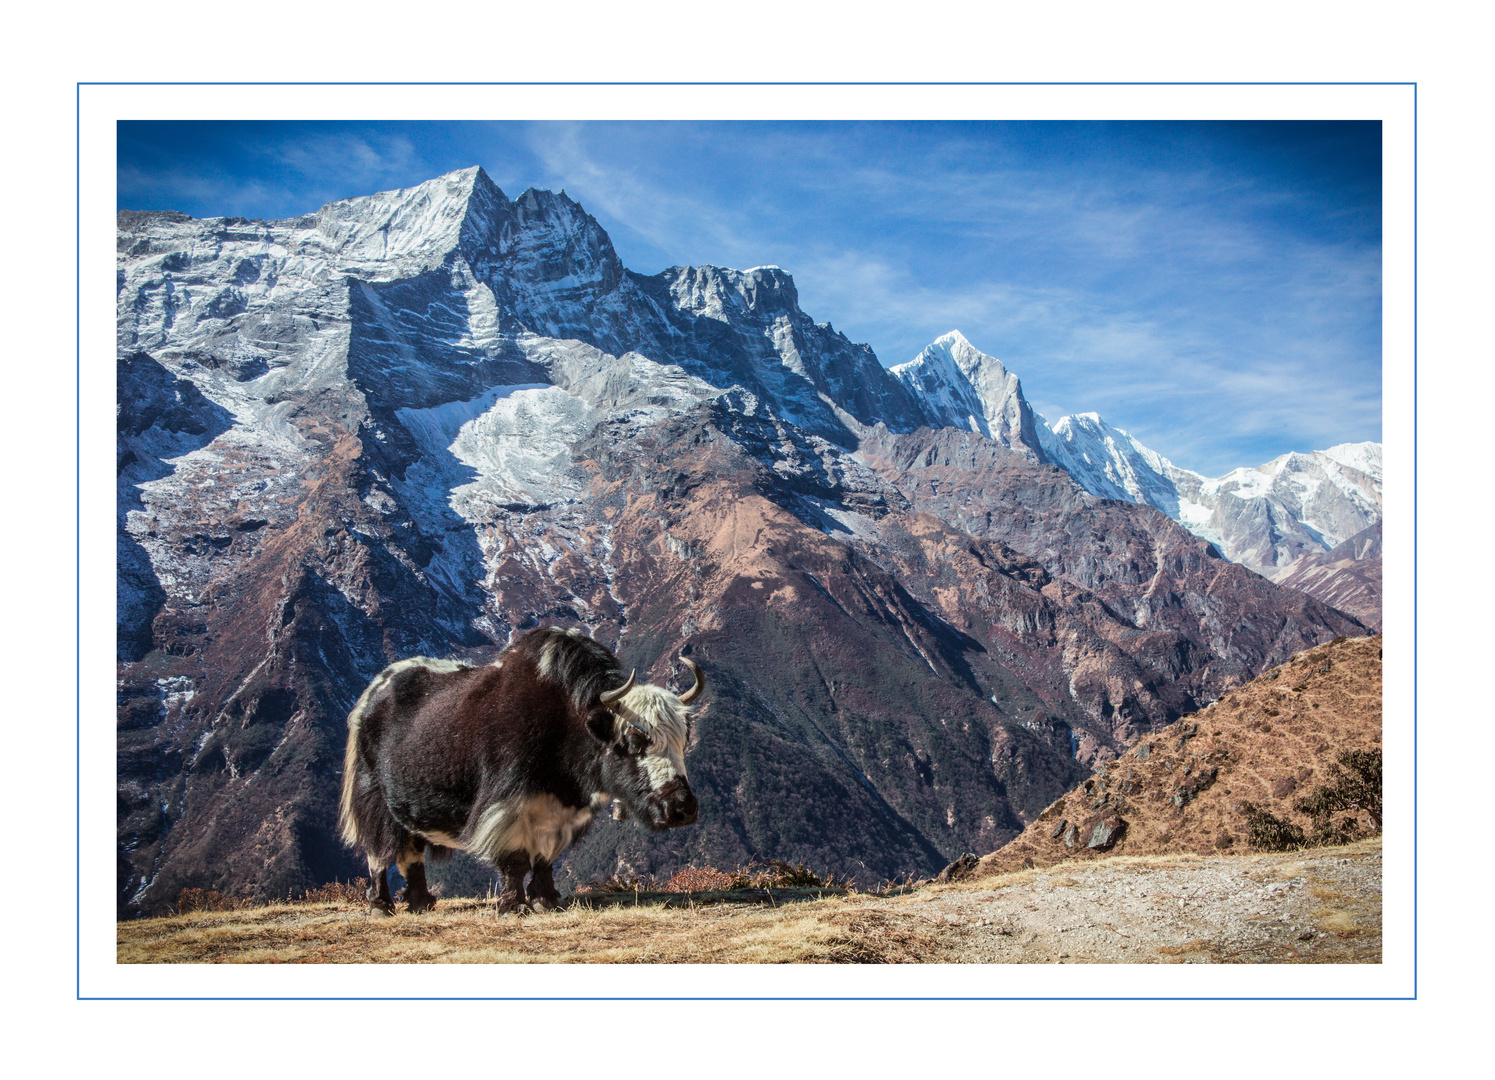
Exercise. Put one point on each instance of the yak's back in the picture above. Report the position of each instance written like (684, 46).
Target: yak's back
(583, 668)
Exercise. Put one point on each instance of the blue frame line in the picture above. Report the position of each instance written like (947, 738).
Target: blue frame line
(800, 997)
(78, 528)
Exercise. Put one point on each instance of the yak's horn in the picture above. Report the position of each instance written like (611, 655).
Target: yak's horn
(613, 695)
(695, 691)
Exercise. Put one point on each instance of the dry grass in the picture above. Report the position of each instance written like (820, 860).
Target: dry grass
(1196, 946)
(1336, 921)
(467, 931)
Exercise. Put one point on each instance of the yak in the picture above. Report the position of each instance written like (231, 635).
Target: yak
(509, 761)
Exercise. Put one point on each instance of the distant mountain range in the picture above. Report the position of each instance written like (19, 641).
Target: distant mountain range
(421, 421)
(1289, 520)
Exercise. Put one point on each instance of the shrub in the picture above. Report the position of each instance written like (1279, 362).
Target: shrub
(189, 900)
(706, 879)
(1354, 785)
(1267, 832)
(618, 882)
(774, 874)
(778, 874)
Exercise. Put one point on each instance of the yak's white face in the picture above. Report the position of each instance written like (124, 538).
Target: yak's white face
(652, 728)
(667, 722)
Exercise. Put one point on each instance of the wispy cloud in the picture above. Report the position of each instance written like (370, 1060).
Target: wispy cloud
(147, 189)
(269, 170)
(345, 161)
(667, 218)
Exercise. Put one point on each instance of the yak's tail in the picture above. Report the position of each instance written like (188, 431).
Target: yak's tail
(347, 819)
(369, 826)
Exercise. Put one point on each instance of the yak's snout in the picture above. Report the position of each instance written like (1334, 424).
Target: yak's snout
(673, 805)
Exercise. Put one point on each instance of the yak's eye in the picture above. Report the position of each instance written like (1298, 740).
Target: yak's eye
(635, 742)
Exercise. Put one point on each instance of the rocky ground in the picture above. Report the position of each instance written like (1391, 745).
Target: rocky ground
(1304, 908)
(1313, 907)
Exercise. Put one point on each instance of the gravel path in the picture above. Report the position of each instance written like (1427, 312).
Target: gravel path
(1306, 907)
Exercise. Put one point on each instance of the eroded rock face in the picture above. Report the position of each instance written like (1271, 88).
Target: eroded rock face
(1347, 576)
(1128, 602)
(423, 421)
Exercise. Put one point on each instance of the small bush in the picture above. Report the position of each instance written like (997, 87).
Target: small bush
(778, 874)
(706, 879)
(1267, 832)
(618, 883)
(774, 874)
(338, 892)
(190, 900)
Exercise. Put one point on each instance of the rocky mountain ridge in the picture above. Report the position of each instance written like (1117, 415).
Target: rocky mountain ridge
(421, 421)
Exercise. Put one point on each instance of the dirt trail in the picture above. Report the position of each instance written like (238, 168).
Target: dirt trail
(1315, 907)
(1321, 906)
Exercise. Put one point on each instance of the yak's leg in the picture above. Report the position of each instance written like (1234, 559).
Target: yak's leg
(412, 865)
(378, 894)
(542, 892)
(514, 866)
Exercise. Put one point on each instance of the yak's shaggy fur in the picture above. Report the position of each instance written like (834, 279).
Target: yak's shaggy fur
(509, 761)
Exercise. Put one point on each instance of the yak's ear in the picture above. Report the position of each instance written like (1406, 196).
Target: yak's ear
(602, 724)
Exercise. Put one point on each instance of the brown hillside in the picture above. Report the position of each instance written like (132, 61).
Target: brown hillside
(1182, 789)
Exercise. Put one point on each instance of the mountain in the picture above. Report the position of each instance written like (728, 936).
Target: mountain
(1279, 519)
(1347, 576)
(422, 421)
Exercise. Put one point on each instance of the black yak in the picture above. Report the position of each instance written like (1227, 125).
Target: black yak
(509, 761)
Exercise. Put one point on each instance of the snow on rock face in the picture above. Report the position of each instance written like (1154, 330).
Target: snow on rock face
(1110, 463)
(960, 386)
(745, 327)
(1268, 518)
(396, 234)
(513, 443)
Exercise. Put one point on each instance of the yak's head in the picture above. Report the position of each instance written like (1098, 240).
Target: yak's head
(645, 729)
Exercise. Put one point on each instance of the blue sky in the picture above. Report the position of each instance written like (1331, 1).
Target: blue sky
(1213, 288)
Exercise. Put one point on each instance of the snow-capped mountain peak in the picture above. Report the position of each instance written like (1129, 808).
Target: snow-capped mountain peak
(961, 386)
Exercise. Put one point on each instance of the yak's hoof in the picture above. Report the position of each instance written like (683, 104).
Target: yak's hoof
(545, 903)
(379, 911)
(513, 907)
(418, 902)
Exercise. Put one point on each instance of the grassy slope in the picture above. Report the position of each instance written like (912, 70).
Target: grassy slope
(1268, 743)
